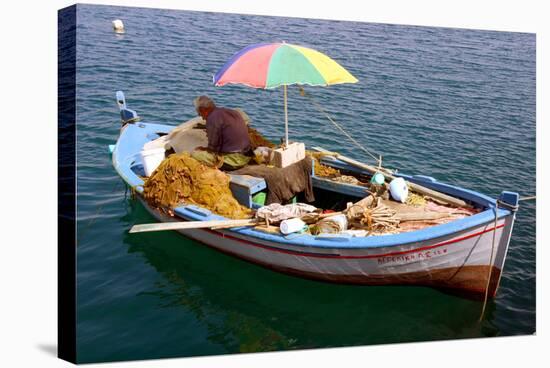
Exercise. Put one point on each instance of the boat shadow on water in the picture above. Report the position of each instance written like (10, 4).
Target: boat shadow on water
(247, 308)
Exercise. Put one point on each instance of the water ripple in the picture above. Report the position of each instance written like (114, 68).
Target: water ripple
(455, 104)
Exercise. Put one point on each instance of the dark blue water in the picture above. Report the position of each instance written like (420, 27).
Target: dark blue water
(455, 104)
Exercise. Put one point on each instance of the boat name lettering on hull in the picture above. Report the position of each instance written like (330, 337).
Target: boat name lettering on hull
(406, 258)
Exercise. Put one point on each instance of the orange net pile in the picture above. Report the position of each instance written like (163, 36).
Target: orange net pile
(320, 169)
(180, 179)
(257, 139)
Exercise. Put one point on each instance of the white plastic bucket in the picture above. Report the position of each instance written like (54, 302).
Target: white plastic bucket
(292, 225)
(151, 159)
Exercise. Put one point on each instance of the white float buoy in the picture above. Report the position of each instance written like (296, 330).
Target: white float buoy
(118, 26)
(399, 190)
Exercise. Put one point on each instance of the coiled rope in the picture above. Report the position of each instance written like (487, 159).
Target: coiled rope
(320, 108)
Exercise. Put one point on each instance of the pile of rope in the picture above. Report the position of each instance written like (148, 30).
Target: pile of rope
(325, 226)
(376, 217)
(180, 179)
(347, 179)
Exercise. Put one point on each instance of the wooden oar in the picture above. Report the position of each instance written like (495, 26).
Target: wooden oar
(184, 225)
(214, 224)
(415, 187)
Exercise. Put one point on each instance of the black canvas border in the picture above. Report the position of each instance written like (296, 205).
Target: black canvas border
(66, 180)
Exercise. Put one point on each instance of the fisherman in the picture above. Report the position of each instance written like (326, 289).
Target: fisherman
(227, 133)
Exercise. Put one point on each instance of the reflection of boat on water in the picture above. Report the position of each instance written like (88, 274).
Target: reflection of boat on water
(215, 301)
(458, 255)
(246, 309)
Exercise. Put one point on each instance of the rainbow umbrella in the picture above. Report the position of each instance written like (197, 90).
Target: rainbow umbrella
(270, 65)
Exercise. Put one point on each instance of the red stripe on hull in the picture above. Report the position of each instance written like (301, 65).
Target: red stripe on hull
(337, 256)
(469, 281)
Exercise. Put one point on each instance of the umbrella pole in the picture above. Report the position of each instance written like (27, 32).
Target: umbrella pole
(286, 118)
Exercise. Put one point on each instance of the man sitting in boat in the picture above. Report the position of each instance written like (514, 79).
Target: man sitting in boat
(228, 140)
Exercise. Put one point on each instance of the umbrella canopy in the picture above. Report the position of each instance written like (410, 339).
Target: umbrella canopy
(269, 65)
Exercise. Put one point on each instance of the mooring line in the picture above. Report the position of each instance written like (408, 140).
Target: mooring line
(320, 108)
(490, 265)
(98, 211)
(528, 198)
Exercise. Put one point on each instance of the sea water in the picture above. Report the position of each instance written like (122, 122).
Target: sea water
(458, 105)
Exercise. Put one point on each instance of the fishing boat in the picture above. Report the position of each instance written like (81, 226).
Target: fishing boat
(466, 255)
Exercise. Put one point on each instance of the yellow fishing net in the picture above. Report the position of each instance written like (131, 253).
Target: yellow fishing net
(181, 179)
(416, 200)
(320, 169)
(257, 139)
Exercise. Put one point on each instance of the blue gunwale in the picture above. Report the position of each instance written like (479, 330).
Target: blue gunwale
(126, 153)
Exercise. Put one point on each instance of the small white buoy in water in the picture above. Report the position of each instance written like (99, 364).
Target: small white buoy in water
(118, 26)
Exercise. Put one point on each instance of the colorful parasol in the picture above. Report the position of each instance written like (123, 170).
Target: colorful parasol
(270, 65)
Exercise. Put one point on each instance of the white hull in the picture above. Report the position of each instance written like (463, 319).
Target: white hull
(460, 261)
(459, 255)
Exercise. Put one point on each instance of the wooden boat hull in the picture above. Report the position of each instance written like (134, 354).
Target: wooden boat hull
(459, 262)
(457, 256)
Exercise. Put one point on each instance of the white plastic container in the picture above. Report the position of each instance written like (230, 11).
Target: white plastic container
(294, 152)
(399, 190)
(151, 159)
(292, 225)
(378, 179)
